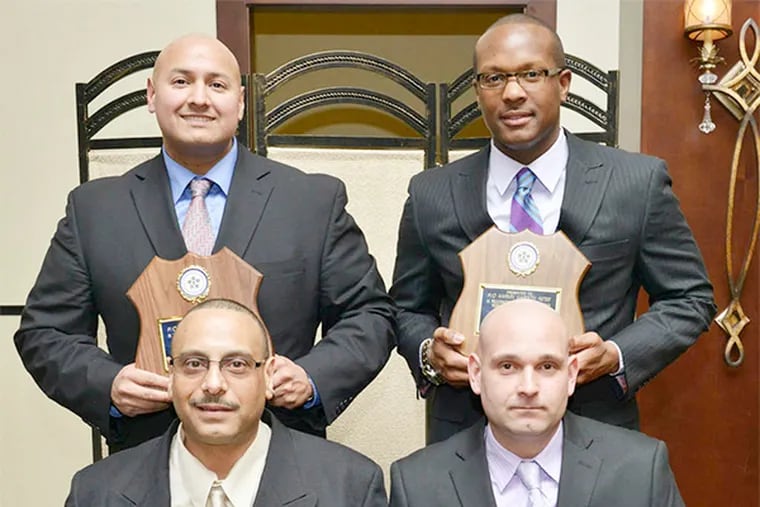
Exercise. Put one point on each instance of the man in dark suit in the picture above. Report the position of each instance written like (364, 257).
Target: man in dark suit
(618, 208)
(527, 453)
(225, 446)
(291, 226)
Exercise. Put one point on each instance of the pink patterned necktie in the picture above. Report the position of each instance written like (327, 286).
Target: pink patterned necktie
(199, 237)
(524, 213)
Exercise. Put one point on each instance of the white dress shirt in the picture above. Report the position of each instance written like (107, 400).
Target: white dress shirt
(548, 190)
(508, 489)
(190, 481)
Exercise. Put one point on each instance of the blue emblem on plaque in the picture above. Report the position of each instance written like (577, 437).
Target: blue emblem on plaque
(166, 329)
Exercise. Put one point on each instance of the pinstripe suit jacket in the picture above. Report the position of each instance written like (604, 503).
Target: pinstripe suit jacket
(620, 210)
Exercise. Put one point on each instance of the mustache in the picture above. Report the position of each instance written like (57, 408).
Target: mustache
(214, 400)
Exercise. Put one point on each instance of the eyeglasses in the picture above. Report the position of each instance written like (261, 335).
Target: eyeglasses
(525, 78)
(195, 366)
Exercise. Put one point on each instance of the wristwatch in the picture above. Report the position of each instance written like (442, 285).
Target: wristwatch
(428, 370)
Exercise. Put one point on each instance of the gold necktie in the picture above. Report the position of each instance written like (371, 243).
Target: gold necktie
(217, 497)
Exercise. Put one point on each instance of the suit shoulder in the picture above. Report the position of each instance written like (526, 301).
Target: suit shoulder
(122, 465)
(293, 176)
(107, 185)
(438, 175)
(437, 454)
(617, 156)
(607, 435)
(333, 453)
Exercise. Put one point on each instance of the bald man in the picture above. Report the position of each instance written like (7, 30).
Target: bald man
(290, 226)
(529, 451)
(225, 445)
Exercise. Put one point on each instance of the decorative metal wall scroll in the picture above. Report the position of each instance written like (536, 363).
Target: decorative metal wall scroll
(739, 92)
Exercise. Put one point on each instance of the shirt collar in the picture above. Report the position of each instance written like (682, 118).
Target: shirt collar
(549, 459)
(197, 479)
(548, 168)
(220, 174)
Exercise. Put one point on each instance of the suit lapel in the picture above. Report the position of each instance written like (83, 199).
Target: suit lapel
(468, 192)
(151, 195)
(470, 474)
(580, 466)
(150, 486)
(281, 482)
(249, 192)
(586, 180)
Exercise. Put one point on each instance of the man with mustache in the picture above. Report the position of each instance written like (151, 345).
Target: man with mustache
(226, 449)
(530, 451)
(618, 208)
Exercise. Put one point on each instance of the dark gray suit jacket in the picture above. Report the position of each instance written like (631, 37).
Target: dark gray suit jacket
(291, 226)
(300, 471)
(619, 209)
(602, 466)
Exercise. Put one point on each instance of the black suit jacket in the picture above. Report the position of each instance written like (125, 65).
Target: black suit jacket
(291, 226)
(602, 465)
(300, 471)
(620, 211)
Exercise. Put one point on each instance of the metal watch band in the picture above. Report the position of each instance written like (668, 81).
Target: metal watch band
(428, 371)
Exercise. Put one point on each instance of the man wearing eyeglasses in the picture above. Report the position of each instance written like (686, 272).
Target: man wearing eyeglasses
(617, 207)
(226, 449)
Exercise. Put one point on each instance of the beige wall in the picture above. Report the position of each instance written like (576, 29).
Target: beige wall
(54, 43)
(48, 46)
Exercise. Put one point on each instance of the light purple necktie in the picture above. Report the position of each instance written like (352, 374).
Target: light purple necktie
(524, 213)
(529, 473)
(199, 237)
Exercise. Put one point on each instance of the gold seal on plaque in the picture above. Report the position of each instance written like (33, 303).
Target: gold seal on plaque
(193, 283)
(523, 258)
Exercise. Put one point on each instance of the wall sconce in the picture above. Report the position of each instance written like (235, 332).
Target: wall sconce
(707, 21)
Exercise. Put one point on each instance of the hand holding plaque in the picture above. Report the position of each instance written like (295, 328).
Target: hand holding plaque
(166, 290)
(500, 267)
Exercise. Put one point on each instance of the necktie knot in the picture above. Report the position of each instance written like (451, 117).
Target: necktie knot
(199, 187)
(217, 497)
(525, 180)
(529, 473)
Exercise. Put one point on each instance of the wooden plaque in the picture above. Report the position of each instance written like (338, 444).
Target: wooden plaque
(166, 290)
(500, 267)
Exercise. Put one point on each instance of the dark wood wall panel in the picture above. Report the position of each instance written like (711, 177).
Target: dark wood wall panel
(705, 411)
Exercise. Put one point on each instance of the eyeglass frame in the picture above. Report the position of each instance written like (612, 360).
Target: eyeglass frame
(519, 76)
(206, 364)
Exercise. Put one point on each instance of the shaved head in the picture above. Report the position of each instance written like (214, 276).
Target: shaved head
(197, 40)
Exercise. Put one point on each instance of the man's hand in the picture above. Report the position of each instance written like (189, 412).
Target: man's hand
(596, 357)
(446, 357)
(289, 384)
(136, 391)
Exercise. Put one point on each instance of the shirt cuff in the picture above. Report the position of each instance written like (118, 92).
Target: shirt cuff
(114, 412)
(315, 399)
(621, 369)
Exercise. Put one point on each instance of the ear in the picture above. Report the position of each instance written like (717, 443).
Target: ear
(564, 83)
(268, 377)
(572, 374)
(473, 372)
(151, 94)
(241, 105)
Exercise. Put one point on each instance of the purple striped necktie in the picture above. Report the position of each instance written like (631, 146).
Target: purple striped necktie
(199, 237)
(524, 213)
